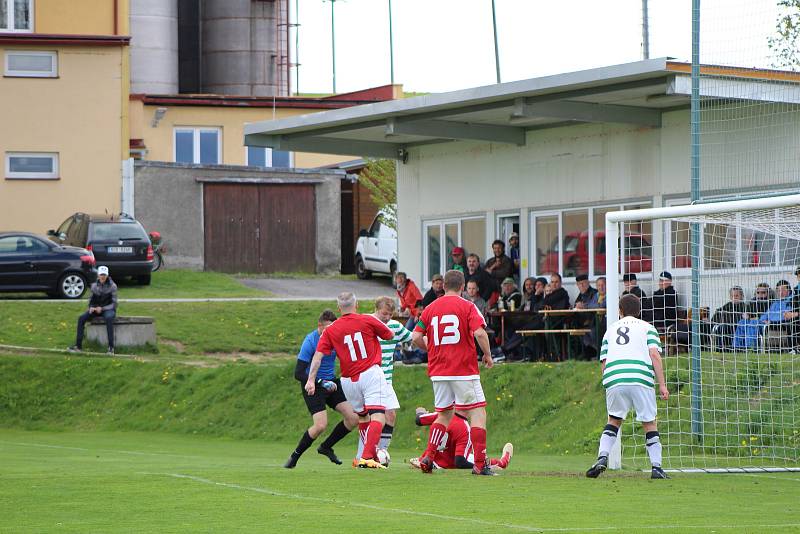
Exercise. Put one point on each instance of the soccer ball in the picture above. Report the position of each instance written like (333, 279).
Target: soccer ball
(383, 457)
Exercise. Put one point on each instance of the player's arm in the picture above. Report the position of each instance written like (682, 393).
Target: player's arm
(418, 336)
(483, 342)
(424, 418)
(312, 372)
(658, 367)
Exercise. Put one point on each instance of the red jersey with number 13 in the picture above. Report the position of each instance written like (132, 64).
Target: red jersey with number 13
(354, 337)
(449, 323)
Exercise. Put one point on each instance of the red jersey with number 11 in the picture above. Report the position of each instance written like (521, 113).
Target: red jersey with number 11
(449, 323)
(354, 337)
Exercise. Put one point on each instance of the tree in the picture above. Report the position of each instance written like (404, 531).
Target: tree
(380, 179)
(786, 44)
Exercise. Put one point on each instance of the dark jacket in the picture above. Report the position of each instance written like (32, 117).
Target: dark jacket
(515, 296)
(486, 285)
(557, 300)
(503, 271)
(635, 290)
(729, 313)
(104, 295)
(430, 296)
(757, 307)
(665, 308)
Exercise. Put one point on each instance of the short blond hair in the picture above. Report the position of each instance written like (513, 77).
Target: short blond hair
(385, 302)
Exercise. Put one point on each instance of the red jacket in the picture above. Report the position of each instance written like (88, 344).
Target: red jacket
(409, 296)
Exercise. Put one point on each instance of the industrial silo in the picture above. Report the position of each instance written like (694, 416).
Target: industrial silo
(154, 46)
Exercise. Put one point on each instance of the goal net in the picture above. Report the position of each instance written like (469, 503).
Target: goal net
(730, 329)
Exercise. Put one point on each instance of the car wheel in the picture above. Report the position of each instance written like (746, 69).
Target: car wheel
(361, 270)
(144, 280)
(72, 286)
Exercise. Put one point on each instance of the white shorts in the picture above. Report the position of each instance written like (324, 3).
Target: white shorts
(369, 391)
(623, 398)
(458, 394)
(391, 399)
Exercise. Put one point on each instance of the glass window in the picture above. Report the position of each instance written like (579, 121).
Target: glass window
(451, 238)
(184, 146)
(681, 247)
(790, 251)
(33, 165)
(575, 254)
(757, 249)
(257, 156)
(473, 236)
(434, 250)
(719, 246)
(546, 231)
(3, 15)
(105, 231)
(20, 244)
(209, 146)
(31, 64)
(22, 15)
(281, 158)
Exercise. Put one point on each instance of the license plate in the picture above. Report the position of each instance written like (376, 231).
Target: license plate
(120, 250)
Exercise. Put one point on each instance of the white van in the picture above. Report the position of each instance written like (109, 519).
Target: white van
(376, 249)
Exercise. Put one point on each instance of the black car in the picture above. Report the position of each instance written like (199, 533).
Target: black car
(29, 262)
(117, 241)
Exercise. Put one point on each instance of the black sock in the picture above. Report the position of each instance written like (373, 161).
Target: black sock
(337, 434)
(305, 443)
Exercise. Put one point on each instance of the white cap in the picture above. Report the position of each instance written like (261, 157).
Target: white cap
(102, 270)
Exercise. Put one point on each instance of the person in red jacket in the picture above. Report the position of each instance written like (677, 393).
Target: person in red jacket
(457, 452)
(409, 294)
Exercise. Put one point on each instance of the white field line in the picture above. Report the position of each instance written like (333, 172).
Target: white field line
(83, 449)
(773, 477)
(274, 493)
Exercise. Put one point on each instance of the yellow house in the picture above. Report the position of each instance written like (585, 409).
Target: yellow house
(63, 109)
(209, 129)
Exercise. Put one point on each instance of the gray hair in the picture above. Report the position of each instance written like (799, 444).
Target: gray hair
(346, 300)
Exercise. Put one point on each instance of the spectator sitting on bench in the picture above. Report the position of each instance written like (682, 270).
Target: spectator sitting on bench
(408, 293)
(436, 290)
(632, 286)
(779, 315)
(102, 303)
(485, 283)
(728, 315)
(556, 298)
(760, 303)
(665, 303)
(586, 299)
(472, 295)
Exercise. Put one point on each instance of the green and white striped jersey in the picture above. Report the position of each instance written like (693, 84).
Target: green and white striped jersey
(625, 350)
(401, 335)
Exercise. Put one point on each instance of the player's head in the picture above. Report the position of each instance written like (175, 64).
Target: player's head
(453, 281)
(325, 320)
(384, 308)
(630, 306)
(346, 302)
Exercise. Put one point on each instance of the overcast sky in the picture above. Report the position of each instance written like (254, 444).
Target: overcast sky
(444, 45)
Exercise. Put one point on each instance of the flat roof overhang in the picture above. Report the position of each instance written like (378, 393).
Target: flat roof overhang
(632, 93)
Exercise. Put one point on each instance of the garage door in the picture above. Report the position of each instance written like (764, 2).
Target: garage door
(259, 228)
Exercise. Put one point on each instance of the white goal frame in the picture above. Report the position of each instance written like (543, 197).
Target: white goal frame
(613, 221)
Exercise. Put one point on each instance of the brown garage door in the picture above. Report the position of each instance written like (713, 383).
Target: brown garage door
(259, 228)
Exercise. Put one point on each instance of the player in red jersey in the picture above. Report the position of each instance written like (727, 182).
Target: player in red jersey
(451, 325)
(457, 453)
(354, 337)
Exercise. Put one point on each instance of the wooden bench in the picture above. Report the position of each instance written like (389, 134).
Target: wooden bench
(128, 331)
(564, 331)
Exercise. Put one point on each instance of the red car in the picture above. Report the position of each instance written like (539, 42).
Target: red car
(638, 254)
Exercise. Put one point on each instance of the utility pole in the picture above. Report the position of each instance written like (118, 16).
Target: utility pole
(333, 43)
(645, 31)
(496, 51)
(391, 46)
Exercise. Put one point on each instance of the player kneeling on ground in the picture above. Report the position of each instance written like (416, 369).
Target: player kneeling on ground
(329, 393)
(631, 359)
(457, 452)
(354, 338)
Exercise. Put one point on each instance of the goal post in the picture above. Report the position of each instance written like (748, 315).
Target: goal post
(733, 406)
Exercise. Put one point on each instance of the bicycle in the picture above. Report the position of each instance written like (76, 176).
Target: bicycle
(158, 250)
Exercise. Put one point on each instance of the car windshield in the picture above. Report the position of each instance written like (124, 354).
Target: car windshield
(118, 230)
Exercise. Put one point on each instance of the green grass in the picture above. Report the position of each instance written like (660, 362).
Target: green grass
(172, 283)
(182, 327)
(146, 482)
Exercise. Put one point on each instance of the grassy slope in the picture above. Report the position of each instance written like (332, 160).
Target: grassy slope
(552, 409)
(128, 482)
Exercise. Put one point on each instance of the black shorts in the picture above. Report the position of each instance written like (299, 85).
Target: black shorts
(321, 397)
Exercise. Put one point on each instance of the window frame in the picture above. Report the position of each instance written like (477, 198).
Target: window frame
(16, 175)
(443, 255)
(10, 17)
(196, 131)
(267, 156)
(8, 73)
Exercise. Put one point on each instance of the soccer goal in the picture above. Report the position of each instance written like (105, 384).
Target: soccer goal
(730, 331)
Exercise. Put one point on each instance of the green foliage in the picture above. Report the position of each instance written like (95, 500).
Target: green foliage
(754, 376)
(786, 43)
(380, 179)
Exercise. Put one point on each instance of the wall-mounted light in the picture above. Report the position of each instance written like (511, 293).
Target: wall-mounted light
(157, 116)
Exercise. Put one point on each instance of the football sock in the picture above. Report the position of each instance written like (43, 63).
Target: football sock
(386, 437)
(478, 436)
(607, 439)
(437, 434)
(336, 435)
(653, 445)
(362, 437)
(371, 441)
(305, 443)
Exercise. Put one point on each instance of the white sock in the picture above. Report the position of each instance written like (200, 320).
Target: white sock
(653, 446)
(607, 439)
(361, 441)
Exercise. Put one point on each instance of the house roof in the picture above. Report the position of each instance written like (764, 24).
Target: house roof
(634, 93)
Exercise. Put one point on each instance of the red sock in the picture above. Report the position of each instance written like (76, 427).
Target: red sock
(478, 436)
(372, 439)
(435, 437)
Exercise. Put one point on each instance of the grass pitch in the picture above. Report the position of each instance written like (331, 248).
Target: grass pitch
(158, 482)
